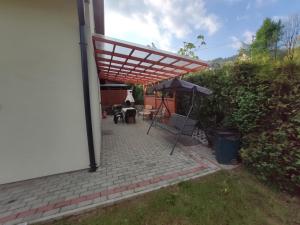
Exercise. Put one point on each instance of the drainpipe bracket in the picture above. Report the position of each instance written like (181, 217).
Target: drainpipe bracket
(93, 168)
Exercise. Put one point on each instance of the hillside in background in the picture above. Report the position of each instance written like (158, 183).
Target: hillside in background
(218, 62)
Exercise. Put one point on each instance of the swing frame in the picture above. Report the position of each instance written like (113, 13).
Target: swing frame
(192, 101)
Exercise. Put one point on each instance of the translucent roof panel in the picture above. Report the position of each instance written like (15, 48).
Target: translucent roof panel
(155, 57)
(181, 63)
(119, 59)
(104, 56)
(122, 50)
(168, 60)
(146, 64)
(139, 54)
(132, 63)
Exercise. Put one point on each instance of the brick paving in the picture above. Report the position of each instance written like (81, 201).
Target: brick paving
(132, 163)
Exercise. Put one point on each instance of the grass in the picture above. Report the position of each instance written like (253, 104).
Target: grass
(226, 197)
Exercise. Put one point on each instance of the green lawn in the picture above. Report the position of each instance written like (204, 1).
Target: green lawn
(227, 197)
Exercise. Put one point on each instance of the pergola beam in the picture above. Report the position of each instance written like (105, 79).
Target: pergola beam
(157, 71)
(127, 62)
(149, 50)
(122, 79)
(134, 73)
(137, 74)
(104, 52)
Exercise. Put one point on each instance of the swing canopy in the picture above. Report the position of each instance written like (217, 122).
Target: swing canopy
(180, 85)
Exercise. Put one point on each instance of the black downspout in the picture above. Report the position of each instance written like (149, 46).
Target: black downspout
(85, 83)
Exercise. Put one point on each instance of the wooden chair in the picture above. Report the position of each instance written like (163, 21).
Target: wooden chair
(161, 115)
(146, 111)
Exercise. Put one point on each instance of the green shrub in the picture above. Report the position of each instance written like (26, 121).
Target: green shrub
(275, 156)
(262, 100)
(138, 94)
(273, 151)
(250, 108)
(213, 110)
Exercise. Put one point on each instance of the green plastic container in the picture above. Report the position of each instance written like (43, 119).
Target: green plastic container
(227, 145)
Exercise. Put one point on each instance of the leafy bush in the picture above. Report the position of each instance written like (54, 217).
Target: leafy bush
(213, 110)
(249, 109)
(275, 156)
(274, 151)
(261, 100)
(138, 94)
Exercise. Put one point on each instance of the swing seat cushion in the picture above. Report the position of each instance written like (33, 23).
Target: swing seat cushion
(169, 128)
(176, 123)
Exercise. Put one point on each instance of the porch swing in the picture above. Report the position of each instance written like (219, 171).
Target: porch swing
(176, 85)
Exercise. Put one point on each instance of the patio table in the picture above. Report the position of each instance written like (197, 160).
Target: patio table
(125, 109)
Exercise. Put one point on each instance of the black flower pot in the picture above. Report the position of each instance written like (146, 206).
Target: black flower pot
(226, 144)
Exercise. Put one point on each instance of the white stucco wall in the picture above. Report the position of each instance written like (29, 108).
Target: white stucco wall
(42, 121)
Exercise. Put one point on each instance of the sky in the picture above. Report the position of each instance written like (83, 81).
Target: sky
(225, 24)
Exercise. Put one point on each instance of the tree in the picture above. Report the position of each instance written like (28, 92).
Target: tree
(267, 38)
(291, 34)
(189, 48)
(152, 45)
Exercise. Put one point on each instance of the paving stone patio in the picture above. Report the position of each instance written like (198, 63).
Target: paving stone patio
(132, 163)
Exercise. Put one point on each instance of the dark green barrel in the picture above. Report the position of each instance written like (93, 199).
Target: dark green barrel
(226, 146)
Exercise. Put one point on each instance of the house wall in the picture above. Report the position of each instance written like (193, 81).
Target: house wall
(42, 120)
(111, 97)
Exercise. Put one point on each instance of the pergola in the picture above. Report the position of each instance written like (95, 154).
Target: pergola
(132, 63)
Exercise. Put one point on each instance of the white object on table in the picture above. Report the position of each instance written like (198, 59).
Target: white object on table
(129, 96)
(125, 109)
